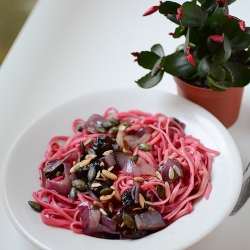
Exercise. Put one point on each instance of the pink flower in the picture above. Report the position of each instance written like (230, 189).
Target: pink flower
(217, 38)
(151, 10)
(179, 13)
(224, 2)
(242, 25)
(189, 56)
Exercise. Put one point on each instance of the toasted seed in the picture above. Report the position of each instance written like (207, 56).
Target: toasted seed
(111, 168)
(122, 128)
(98, 174)
(177, 170)
(139, 179)
(122, 225)
(106, 124)
(102, 164)
(106, 191)
(109, 175)
(82, 148)
(103, 212)
(101, 179)
(167, 184)
(144, 147)
(79, 185)
(91, 174)
(111, 207)
(137, 209)
(96, 184)
(117, 194)
(161, 191)
(72, 194)
(108, 152)
(149, 203)
(150, 209)
(128, 221)
(158, 175)
(98, 204)
(83, 163)
(88, 141)
(113, 130)
(141, 200)
(107, 197)
(35, 206)
(103, 176)
(171, 173)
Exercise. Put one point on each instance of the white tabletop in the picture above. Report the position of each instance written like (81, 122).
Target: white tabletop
(69, 47)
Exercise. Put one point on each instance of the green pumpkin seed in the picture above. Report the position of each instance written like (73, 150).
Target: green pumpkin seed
(80, 128)
(144, 147)
(128, 221)
(106, 191)
(91, 174)
(106, 124)
(101, 129)
(161, 191)
(148, 197)
(72, 194)
(79, 185)
(114, 121)
(135, 158)
(91, 151)
(113, 130)
(35, 206)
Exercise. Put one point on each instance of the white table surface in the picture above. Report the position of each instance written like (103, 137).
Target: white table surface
(69, 47)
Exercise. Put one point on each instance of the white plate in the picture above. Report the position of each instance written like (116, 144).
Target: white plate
(20, 173)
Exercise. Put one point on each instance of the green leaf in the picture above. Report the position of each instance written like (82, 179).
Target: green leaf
(217, 72)
(240, 74)
(209, 5)
(186, 41)
(179, 31)
(229, 75)
(224, 53)
(242, 40)
(177, 65)
(230, 1)
(173, 19)
(215, 16)
(192, 15)
(169, 7)
(149, 81)
(214, 85)
(230, 27)
(156, 66)
(158, 50)
(204, 66)
(147, 59)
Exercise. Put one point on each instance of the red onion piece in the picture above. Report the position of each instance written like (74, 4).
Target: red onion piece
(109, 160)
(63, 186)
(150, 221)
(134, 140)
(131, 168)
(145, 168)
(143, 131)
(94, 121)
(109, 223)
(121, 159)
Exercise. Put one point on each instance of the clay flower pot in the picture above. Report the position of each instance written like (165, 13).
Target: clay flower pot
(225, 106)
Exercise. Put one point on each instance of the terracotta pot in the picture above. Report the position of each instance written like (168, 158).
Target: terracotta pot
(225, 106)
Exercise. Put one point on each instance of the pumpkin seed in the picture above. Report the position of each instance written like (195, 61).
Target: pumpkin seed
(101, 129)
(161, 191)
(106, 124)
(113, 130)
(135, 158)
(35, 206)
(106, 191)
(72, 194)
(91, 174)
(114, 121)
(79, 185)
(79, 128)
(148, 197)
(128, 221)
(91, 151)
(144, 147)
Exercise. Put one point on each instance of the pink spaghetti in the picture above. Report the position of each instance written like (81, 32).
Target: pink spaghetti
(122, 175)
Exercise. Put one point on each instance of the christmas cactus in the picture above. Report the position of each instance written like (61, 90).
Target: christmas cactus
(216, 51)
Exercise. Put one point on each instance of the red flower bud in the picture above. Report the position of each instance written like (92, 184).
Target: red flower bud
(242, 25)
(217, 38)
(189, 56)
(224, 2)
(151, 10)
(171, 33)
(179, 13)
(135, 54)
(228, 16)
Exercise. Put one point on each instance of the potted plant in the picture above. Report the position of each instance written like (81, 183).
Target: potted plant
(214, 60)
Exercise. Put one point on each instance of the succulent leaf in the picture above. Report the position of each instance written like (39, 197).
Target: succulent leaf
(217, 72)
(147, 59)
(241, 41)
(169, 7)
(192, 15)
(215, 85)
(158, 50)
(209, 5)
(204, 66)
(149, 81)
(224, 53)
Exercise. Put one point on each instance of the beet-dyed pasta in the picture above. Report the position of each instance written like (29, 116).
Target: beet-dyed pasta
(122, 175)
